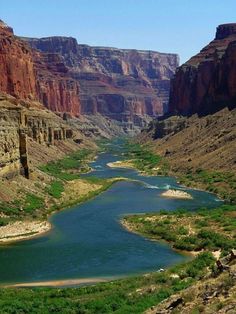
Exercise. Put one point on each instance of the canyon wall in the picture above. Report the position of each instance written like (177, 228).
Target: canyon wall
(56, 89)
(17, 124)
(206, 83)
(31, 77)
(128, 86)
(16, 65)
(28, 74)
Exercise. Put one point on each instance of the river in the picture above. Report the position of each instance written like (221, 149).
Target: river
(88, 241)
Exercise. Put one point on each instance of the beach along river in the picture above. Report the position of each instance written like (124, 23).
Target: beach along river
(88, 241)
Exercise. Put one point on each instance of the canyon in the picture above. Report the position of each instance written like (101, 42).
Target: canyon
(93, 92)
(128, 86)
(56, 98)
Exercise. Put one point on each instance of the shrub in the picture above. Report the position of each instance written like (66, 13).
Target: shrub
(55, 189)
(33, 202)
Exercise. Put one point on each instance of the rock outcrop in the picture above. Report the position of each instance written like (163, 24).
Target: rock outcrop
(56, 89)
(206, 83)
(129, 86)
(29, 74)
(20, 121)
(16, 65)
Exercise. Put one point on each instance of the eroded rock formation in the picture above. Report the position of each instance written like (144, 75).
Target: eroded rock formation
(16, 65)
(199, 132)
(206, 83)
(29, 74)
(17, 123)
(56, 89)
(129, 86)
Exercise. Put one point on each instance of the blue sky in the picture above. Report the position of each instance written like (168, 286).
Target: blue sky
(179, 26)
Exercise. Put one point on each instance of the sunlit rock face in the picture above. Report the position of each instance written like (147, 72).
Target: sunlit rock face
(16, 65)
(206, 83)
(129, 86)
(29, 74)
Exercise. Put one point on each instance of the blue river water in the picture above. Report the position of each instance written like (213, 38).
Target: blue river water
(88, 241)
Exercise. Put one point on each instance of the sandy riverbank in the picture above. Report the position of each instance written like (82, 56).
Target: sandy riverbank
(58, 283)
(76, 191)
(121, 164)
(177, 194)
(21, 230)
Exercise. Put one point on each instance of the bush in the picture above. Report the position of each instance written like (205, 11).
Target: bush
(55, 189)
(197, 266)
(33, 202)
(59, 169)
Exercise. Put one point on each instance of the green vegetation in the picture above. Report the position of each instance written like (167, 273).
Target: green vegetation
(27, 205)
(70, 167)
(104, 185)
(191, 231)
(32, 202)
(55, 189)
(130, 295)
(221, 183)
(145, 160)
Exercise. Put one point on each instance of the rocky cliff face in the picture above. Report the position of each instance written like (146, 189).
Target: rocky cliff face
(16, 65)
(199, 131)
(206, 83)
(21, 121)
(125, 85)
(29, 74)
(56, 89)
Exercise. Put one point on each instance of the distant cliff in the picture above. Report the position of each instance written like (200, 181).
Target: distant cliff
(126, 85)
(207, 82)
(56, 89)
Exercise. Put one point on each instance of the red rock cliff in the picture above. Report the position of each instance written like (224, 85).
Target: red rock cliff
(207, 82)
(30, 74)
(124, 85)
(16, 65)
(56, 89)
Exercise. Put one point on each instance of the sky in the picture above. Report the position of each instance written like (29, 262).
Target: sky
(174, 26)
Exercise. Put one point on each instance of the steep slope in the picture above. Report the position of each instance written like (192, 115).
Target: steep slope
(28, 74)
(16, 65)
(204, 89)
(195, 143)
(207, 82)
(56, 89)
(129, 86)
(28, 131)
(24, 119)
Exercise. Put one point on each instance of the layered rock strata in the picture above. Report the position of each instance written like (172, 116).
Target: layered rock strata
(16, 65)
(206, 83)
(128, 86)
(29, 74)
(16, 125)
